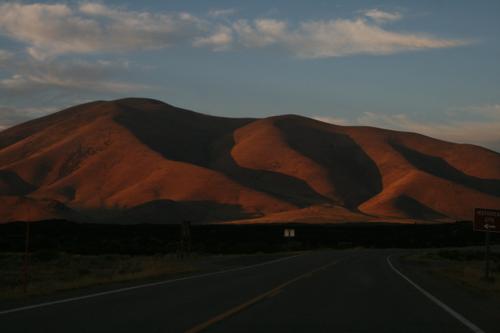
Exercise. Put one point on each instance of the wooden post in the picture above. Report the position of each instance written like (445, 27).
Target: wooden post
(487, 276)
(26, 258)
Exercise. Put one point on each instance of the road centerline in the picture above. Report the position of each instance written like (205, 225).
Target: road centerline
(268, 294)
(442, 305)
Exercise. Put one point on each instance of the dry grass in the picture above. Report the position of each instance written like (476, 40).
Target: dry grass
(465, 267)
(55, 271)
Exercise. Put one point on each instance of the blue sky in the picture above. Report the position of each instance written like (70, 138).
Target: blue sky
(425, 66)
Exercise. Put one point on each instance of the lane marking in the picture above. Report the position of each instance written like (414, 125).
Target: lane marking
(445, 307)
(141, 286)
(268, 294)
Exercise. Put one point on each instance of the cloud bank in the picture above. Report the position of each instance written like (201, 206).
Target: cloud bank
(334, 38)
(50, 30)
(54, 29)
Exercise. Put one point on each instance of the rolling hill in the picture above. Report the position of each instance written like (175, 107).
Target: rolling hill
(143, 161)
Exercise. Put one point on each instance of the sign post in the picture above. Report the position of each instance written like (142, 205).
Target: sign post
(487, 221)
(487, 257)
(289, 234)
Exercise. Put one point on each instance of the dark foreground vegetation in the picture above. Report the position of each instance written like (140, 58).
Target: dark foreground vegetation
(51, 271)
(146, 239)
(464, 267)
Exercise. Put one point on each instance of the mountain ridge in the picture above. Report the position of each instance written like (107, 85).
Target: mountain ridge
(138, 160)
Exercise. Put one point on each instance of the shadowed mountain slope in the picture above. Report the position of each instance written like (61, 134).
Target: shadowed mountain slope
(440, 168)
(12, 184)
(139, 160)
(354, 175)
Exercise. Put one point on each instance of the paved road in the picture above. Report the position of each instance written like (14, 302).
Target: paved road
(327, 291)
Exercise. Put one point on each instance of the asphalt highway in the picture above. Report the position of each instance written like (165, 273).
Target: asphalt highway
(322, 291)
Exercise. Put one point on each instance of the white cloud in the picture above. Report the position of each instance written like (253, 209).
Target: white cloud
(261, 33)
(484, 130)
(380, 16)
(53, 29)
(334, 38)
(218, 41)
(334, 120)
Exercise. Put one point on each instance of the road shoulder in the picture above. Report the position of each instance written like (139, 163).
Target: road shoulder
(478, 306)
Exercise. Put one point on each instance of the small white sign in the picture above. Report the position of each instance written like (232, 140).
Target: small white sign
(289, 233)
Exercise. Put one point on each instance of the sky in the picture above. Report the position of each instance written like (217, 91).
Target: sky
(422, 66)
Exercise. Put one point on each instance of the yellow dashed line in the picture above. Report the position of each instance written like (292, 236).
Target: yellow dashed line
(271, 293)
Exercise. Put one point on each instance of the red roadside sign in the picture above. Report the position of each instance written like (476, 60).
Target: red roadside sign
(486, 220)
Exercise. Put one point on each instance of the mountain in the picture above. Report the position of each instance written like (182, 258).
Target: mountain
(143, 161)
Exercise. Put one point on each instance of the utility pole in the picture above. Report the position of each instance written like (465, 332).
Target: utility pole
(487, 276)
(26, 258)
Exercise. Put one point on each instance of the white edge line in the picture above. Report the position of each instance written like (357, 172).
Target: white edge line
(147, 285)
(445, 307)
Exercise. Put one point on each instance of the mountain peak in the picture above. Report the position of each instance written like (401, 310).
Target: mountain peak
(140, 102)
